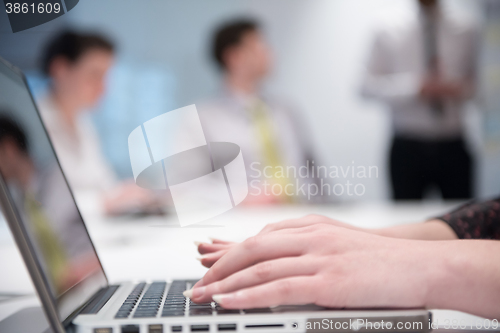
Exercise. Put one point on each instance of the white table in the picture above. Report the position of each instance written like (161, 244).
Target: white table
(124, 243)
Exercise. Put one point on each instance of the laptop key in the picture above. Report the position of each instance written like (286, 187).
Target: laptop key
(200, 328)
(200, 313)
(257, 311)
(130, 329)
(146, 310)
(227, 311)
(226, 327)
(173, 306)
(148, 315)
(123, 311)
(173, 314)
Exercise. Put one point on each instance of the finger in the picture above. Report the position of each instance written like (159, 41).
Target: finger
(287, 224)
(204, 248)
(253, 250)
(208, 260)
(295, 223)
(260, 273)
(276, 226)
(220, 241)
(296, 290)
(304, 222)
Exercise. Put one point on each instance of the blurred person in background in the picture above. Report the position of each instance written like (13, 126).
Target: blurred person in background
(37, 190)
(77, 65)
(424, 70)
(267, 130)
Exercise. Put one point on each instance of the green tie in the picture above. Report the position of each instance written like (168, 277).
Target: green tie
(269, 147)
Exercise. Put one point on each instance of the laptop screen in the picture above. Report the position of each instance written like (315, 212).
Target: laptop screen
(40, 194)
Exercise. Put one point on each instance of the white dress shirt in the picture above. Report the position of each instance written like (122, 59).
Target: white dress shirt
(227, 118)
(78, 151)
(397, 67)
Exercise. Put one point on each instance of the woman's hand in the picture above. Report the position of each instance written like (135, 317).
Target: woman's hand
(306, 261)
(430, 230)
(211, 252)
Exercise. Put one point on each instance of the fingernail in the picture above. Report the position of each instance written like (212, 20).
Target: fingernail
(200, 258)
(188, 293)
(198, 292)
(213, 239)
(194, 292)
(220, 298)
(198, 243)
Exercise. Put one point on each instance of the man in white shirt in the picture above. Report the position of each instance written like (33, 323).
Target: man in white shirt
(267, 130)
(423, 68)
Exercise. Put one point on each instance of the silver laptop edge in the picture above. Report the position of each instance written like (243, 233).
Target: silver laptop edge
(24, 243)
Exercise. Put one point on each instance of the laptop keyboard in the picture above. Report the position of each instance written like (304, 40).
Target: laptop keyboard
(150, 301)
(131, 301)
(175, 302)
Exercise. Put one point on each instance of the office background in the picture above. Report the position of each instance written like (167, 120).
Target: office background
(320, 49)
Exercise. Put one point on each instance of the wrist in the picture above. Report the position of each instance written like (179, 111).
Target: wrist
(440, 274)
(430, 230)
(385, 232)
(420, 274)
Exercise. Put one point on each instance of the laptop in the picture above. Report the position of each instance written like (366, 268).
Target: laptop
(65, 268)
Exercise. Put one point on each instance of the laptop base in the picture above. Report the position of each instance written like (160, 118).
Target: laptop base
(28, 320)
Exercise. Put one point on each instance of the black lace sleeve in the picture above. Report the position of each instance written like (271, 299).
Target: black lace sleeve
(475, 220)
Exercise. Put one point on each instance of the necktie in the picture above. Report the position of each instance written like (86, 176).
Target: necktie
(268, 146)
(432, 54)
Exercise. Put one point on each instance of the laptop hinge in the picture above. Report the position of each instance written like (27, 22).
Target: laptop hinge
(99, 300)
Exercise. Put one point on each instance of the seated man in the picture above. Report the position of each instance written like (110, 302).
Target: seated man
(267, 130)
(319, 260)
